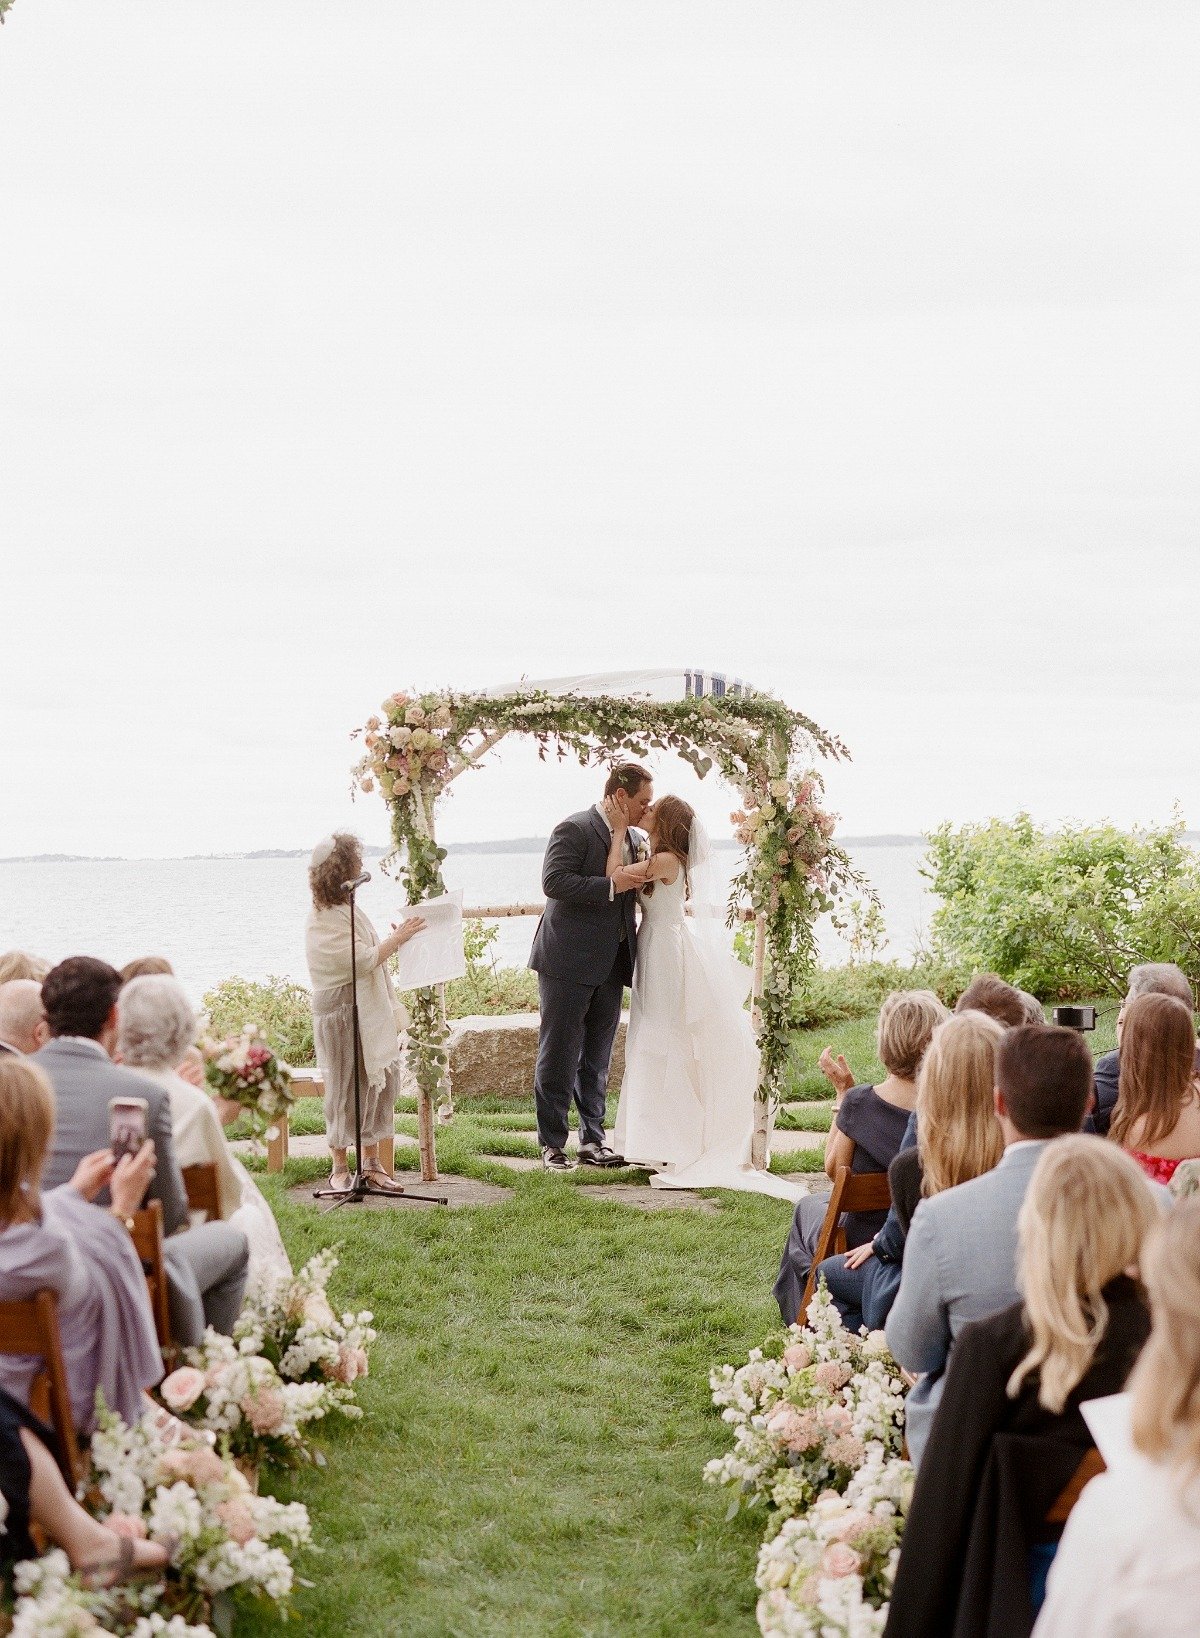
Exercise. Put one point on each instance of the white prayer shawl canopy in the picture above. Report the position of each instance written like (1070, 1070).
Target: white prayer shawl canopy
(666, 683)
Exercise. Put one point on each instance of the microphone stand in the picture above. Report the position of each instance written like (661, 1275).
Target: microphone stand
(360, 1184)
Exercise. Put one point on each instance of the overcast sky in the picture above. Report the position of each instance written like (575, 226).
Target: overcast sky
(350, 347)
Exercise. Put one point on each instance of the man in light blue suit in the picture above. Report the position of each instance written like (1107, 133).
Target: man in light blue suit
(960, 1258)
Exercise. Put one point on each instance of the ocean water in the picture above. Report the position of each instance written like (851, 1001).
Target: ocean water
(213, 918)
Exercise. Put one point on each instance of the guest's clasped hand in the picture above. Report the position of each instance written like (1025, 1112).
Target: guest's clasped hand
(126, 1179)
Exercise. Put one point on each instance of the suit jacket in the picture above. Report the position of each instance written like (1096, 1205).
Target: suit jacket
(960, 1264)
(994, 1467)
(84, 1081)
(579, 935)
(1107, 1070)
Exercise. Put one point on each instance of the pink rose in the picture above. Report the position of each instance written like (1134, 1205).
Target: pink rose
(238, 1520)
(855, 1524)
(197, 1467)
(837, 1419)
(264, 1410)
(123, 1524)
(182, 1388)
(831, 1376)
(838, 1561)
(797, 1357)
(351, 1364)
(316, 1310)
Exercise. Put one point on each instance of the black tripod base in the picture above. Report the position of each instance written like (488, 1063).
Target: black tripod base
(361, 1186)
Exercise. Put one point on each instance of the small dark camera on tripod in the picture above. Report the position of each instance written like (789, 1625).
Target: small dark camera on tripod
(1080, 1018)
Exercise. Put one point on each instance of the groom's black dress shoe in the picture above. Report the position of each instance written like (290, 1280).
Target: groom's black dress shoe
(599, 1154)
(554, 1160)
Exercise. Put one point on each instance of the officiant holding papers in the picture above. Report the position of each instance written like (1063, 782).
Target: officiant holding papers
(382, 1020)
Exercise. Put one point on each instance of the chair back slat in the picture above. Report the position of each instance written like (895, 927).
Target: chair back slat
(861, 1191)
(203, 1193)
(1092, 1465)
(31, 1327)
(147, 1236)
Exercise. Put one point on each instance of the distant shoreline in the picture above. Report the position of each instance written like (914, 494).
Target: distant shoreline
(512, 844)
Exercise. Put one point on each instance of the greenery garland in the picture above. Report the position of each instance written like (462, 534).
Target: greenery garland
(792, 872)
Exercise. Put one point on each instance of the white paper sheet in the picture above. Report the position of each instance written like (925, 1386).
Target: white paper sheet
(436, 955)
(1110, 1422)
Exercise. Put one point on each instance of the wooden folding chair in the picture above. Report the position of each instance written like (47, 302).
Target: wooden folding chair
(31, 1327)
(1092, 1465)
(147, 1236)
(200, 1185)
(864, 1191)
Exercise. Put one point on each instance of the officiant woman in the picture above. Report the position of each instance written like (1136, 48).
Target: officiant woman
(382, 1020)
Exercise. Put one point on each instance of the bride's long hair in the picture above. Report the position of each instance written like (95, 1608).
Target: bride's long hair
(673, 821)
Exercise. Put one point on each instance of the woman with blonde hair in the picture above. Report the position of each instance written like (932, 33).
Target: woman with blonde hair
(866, 1134)
(958, 1138)
(1157, 1114)
(381, 1017)
(1008, 1435)
(1129, 1563)
(60, 1241)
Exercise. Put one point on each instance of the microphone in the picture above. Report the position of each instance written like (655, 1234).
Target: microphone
(348, 887)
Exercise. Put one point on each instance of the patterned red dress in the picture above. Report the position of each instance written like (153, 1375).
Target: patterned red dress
(1154, 1166)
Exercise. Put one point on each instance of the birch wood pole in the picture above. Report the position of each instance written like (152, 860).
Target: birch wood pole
(762, 1102)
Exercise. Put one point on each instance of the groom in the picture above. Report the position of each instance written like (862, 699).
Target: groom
(583, 953)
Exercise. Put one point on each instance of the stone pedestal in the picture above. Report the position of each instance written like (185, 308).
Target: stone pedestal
(495, 1057)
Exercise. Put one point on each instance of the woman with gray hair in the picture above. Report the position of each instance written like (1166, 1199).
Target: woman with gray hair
(156, 1024)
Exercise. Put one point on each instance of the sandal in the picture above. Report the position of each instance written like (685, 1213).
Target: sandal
(340, 1182)
(382, 1179)
(105, 1573)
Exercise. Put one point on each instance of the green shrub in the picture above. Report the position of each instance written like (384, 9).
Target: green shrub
(486, 988)
(280, 1008)
(1064, 913)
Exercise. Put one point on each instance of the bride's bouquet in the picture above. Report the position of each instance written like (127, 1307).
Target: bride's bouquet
(244, 1069)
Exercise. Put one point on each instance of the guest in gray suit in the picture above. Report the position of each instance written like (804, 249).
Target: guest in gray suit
(960, 1258)
(206, 1266)
(583, 953)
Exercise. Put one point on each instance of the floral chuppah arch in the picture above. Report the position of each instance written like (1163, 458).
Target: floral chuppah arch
(791, 871)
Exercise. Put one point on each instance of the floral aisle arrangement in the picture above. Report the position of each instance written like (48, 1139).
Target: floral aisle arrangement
(818, 1423)
(418, 743)
(244, 1069)
(153, 1481)
(289, 1320)
(229, 1390)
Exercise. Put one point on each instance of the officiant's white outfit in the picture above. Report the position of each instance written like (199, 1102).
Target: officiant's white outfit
(691, 1061)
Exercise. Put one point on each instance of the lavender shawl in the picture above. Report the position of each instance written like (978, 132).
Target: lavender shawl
(86, 1257)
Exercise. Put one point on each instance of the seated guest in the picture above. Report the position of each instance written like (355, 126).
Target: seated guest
(1035, 1013)
(1008, 1436)
(206, 1266)
(1129, 1562)
(1157, 1114)
(157, 1025)
(146, 967)
(1151, 978)
(960, 1258)
(59, 1241)
(866, 1133)
(20, 964)
(22, 1017)
(35, 1492)
(958, 1138)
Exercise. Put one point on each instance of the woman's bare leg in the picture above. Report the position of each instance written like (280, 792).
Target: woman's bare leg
(51, 1506)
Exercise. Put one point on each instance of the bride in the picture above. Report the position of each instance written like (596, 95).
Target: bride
(691, 1063)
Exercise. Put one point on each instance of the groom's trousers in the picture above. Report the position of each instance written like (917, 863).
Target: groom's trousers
(579, 1026)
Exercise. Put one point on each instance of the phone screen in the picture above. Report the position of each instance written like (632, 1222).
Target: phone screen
(127, 1119)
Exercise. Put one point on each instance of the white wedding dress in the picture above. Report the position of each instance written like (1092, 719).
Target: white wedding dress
(691, 1062)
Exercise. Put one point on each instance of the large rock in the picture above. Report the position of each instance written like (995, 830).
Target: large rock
(495, 1057)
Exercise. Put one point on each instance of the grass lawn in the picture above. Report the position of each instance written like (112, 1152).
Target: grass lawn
(538, 1413)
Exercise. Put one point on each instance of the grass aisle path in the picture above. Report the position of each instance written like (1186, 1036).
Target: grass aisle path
(537, 1415)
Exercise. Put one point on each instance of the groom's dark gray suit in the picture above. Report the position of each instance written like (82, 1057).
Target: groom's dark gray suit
(583, 953)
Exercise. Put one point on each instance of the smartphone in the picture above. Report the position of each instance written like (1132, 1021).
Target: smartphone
(128, 1119)
(1082, 1018)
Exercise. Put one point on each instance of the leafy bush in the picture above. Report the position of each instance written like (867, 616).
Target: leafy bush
(834, 994)
(280, 1008)
(486, 988)
(1064, 913)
